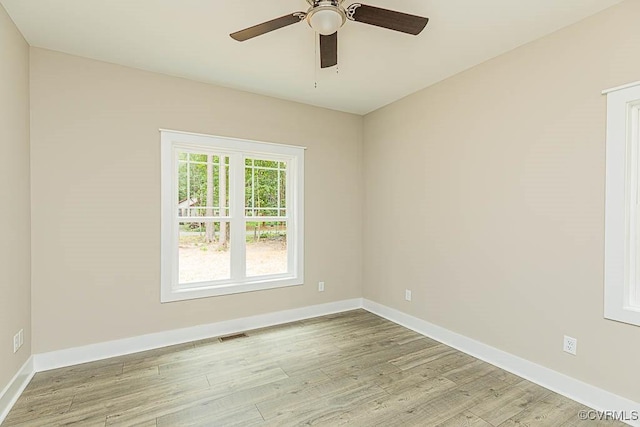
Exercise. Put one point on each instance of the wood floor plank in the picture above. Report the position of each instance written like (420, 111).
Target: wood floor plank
(387, 407)
(397, 381)
(286, 388)
(147, 410)
(244, 381)
(74, 376)
(335, 401)
(41, 408)
(360, 359)
(136, 391)
(362, 373)
(288, 404)
(206, 414)
(85, 419)
(157, 357)
(551, 410)
(470, 372)
(351, 368)
(213, 399)
(448, 404)
(143, 403)
(465, 419)
(422, 356)
(499, 407)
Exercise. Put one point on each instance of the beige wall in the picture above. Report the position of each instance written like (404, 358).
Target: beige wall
(96, 197)
(15, 287)
(485, 196)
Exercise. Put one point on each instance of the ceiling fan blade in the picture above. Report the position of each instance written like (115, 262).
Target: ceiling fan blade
(398, 21)
(329, 50)
(265, 27)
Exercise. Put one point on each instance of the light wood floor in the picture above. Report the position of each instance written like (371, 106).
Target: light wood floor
(351, 368)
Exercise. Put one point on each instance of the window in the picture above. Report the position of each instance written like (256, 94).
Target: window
(622, 210)
(232, 216)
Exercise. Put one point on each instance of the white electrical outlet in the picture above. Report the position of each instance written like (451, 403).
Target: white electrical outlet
(570, 345)
(16, 342)
(407, 295)
(320, 286)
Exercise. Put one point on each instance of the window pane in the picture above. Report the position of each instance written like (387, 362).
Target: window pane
(197, 157)
(265, 188)
(198, 183)
(265, 163)
(182, 187)
(203, 185)
(266, 248)
(203, 252)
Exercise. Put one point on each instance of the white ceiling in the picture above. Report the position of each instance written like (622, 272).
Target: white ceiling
(190, 38)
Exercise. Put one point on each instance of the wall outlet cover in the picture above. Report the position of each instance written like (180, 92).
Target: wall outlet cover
(570, 345)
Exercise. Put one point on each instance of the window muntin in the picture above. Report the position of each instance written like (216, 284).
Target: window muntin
(232, 215)
(203, 212)
(262, 177)
(203, 184)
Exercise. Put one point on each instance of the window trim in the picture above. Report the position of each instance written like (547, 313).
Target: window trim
(621, 266)
(239, 148)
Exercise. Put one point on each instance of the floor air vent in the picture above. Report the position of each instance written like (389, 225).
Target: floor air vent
(232, 337)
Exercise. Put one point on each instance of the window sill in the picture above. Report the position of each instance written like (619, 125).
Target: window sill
(630, 315)
(182, 294)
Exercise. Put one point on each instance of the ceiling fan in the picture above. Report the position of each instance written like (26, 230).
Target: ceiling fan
(327, 16)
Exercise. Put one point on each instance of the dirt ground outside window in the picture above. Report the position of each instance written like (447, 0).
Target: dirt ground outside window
(199, 261)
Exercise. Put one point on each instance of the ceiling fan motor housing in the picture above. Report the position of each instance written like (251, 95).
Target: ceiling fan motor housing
(326, 16)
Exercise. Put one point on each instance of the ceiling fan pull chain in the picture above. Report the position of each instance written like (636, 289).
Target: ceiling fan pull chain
(316, 41)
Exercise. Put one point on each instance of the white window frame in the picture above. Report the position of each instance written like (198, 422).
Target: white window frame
(238, 150)
(622, 210)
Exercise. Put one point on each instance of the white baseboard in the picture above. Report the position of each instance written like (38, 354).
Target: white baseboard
(14, 389)
(594, 397)
(104, 350)
(579, 391)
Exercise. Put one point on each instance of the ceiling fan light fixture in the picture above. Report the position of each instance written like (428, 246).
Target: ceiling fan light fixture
(326, 19)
